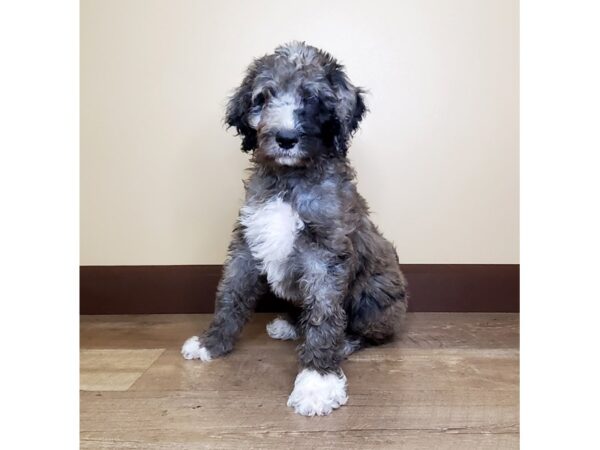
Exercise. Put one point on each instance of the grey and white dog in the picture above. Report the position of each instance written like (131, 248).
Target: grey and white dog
(304, 232)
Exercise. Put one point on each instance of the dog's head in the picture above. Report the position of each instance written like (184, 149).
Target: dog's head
(295, 106)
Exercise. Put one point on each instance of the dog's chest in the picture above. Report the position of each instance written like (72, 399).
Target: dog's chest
(271, 229)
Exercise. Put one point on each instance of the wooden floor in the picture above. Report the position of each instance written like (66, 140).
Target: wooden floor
(452, 382)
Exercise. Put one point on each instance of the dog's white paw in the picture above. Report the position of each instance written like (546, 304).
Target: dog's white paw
(192, 349)
(281, 329)
(316, 394)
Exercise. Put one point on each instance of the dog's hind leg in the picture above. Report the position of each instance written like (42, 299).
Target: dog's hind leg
(352, 344)
(283, 328)
(377, 315)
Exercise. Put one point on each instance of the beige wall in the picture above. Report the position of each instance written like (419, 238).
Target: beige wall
(437, 157)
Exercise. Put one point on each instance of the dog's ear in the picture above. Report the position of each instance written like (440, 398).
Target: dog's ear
(350, 106)
(239, 106)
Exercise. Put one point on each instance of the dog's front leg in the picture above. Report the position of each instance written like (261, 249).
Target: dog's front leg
(320, 387)
(239, 289)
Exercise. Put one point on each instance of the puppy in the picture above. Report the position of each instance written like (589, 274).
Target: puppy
(304, 231)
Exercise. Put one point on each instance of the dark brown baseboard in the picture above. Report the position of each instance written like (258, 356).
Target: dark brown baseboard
(191, 289)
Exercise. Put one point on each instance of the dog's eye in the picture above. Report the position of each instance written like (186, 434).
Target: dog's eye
(311, 100)
(259, 100)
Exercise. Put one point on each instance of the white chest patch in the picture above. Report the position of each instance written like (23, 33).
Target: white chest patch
(271, 229)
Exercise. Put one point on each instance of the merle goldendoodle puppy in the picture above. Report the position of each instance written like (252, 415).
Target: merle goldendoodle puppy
(304, 232)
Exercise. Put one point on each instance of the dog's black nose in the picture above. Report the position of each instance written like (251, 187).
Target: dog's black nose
(287, 138)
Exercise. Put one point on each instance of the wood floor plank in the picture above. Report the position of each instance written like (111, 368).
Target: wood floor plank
(211, 412)
(114, 369)
(347, 439)
(425, 330)
(183, 419)
(452, 382)
(275, 371)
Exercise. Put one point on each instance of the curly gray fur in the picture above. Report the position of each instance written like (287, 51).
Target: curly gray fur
(296, 111)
